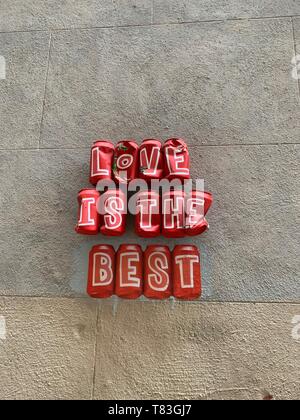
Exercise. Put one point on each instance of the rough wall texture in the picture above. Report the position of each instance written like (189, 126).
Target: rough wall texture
(197, 351)
(222, 74)
(62, 348)
(49, 348)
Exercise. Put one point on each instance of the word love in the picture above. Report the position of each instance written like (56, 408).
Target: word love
(176, 214)
(151, 161)
(157, 273)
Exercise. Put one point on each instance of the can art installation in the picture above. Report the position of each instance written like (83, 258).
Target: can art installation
(156, 273)
(178, 212)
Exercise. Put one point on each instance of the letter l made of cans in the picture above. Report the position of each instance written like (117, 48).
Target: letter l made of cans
(156, 273)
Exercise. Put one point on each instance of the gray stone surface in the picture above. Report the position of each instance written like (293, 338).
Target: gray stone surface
(48, 352)
(213, 83)
(190, 10)
(207, 351)
(251, 252)
(39, 205)
(296, 24)
(22, 92)
(19, 15)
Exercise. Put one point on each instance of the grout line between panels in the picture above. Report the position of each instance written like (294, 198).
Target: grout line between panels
(148, 301)
(190, 145)
(154, 24)
(157, 24)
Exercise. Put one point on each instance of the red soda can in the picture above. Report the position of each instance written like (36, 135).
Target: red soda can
(186, 272)
(158, 272)
(101, 163)
(151, 164)
(88, 217)
(129, 272)
(173, 210)
(197, 206)
(126, 161)
(208, 200)
(101, 277)
(177, 160)
(113, 210)
(148, 218)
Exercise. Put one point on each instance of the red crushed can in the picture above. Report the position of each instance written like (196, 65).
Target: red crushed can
(101, 163)
(197, 206)
(101, 276)
(177, 160)
(173, 210)
(148, 218)
(113, 210)
(157, 272)
(88, 217)
(151, 164)
(186, 272)
(129, 272)
(126, 161)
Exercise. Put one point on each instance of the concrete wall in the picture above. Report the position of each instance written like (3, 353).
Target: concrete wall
(223, 75)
